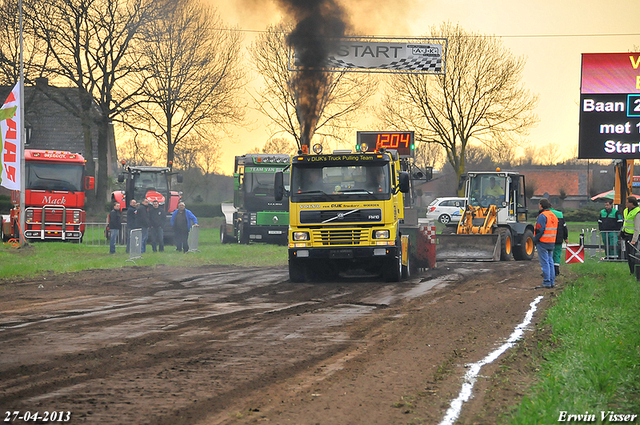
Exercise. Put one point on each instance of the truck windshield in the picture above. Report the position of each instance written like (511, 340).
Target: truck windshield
(54, 176)
(260, 183)
(150, 180)
(347, 182)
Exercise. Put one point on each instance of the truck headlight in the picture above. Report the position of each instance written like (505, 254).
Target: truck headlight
(300, 236)
(76, 217)
(29, 216)
(253, 220)
(381, 234)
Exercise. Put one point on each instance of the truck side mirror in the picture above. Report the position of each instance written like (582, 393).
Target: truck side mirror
(278, 186)
(89, 183)
(403, 184)
(180, 178)
(120, 177)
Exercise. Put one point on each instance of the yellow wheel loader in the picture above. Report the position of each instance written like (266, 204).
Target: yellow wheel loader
(494, 224)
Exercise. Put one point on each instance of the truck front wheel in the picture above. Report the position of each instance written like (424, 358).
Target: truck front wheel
(393, 267)
(297, 271)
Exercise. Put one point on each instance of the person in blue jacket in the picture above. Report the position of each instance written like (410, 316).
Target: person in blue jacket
(182, 220)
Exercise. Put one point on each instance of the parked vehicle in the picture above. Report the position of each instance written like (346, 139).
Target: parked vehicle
(255, 215)
(494, 223)
(153, 183)
(55, 182)
(446, 210)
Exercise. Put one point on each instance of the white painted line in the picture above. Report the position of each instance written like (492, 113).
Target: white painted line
(474, 369)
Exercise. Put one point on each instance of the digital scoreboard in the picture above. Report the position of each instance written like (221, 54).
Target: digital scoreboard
(400, 141)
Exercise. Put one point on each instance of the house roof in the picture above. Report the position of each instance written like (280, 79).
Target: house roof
(53, 127)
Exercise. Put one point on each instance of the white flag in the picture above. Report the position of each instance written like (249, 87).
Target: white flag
(11, 140)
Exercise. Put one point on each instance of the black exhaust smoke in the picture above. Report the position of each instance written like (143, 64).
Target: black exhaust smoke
(319, 23)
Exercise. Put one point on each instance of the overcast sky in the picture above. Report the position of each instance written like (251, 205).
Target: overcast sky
(550, 34)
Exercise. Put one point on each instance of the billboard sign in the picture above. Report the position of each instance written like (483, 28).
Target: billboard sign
(360, 54)
(610, 106)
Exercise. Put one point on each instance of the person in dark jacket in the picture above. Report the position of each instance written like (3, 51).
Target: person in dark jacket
(131, 221)
(156, 232)
(561, 236)
(182, 220)
(610, 223)
(115, 219)
(142, 220)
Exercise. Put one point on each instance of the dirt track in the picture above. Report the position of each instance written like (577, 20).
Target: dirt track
(231, 345)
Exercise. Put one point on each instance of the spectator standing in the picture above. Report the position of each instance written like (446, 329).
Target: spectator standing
(630, 231)
(544, 237)
(610, 222)
(182, 220)
(115, 221)
(131, 221)
(561, 236)
(156, 232)
(142, 219)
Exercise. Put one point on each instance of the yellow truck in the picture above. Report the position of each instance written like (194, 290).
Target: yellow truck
(346, 209)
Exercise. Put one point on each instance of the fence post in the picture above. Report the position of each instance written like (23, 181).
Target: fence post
(192, 241)
(135, 244)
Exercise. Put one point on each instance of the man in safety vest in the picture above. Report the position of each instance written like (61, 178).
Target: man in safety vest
(630, 231)
(544, 237)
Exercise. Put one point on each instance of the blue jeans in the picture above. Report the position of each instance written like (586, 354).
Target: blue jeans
(112, 242)
(545, 255)
(145, 238)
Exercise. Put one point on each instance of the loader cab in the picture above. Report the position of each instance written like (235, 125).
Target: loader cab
(505, 190)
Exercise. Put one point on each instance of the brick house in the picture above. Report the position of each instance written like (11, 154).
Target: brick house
(51, 126)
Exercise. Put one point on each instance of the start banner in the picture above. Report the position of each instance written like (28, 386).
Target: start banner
(11, 140)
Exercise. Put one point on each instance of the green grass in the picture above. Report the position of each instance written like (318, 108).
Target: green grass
(60, 257)
(593, 361)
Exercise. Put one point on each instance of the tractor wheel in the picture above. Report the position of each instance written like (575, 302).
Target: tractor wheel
(526, 249)
(506, 244)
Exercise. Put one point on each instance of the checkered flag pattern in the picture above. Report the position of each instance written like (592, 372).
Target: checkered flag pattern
(429, 232)
(424, 64)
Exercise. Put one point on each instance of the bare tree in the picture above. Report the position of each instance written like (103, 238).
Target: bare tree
(90, 44)
(279, 145)
(192, 76)
(341, 96)
(34, 54)
(479, 99)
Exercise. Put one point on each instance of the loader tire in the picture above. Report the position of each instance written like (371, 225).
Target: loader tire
(526, 248)
(506, 244)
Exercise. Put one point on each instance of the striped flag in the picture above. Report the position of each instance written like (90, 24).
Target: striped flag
(11, 140)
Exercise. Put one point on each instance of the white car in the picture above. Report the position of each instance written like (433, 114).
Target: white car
(446, 210)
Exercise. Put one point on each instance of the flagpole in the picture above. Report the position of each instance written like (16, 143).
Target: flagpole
(22, 134)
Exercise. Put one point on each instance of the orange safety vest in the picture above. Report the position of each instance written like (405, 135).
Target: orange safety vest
(551, 229)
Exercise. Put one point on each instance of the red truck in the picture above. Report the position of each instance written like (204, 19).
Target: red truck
(55, 182)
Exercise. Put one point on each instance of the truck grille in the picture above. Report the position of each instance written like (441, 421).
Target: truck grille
(340, 236)
(341, 216)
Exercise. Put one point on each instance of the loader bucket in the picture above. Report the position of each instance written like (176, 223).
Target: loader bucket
(472, 247)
